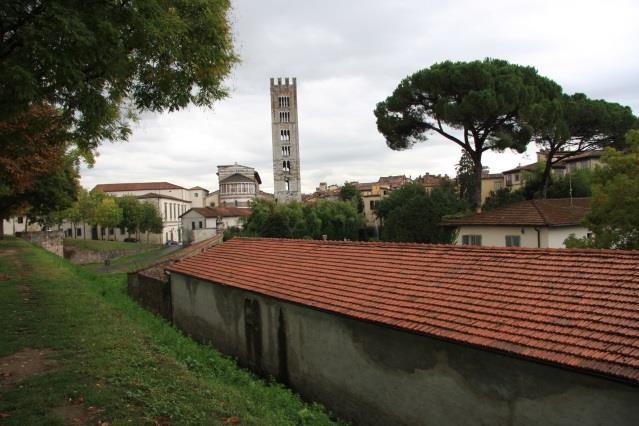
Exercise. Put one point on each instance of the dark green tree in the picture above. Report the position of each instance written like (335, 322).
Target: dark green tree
(613, 216)
(412, 214)
(131, 213)
(350, 192)
(477, 105)
(466, 177)
(101, 62)
(502, 197)
(150, 220)
(276, 226)
(569, 125)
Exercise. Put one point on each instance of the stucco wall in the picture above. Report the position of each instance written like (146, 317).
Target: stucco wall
(557, 236)
(495, 236)
(376, 375)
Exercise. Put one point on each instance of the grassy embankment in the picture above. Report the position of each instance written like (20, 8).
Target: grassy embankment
(111, 361)
(106, 245)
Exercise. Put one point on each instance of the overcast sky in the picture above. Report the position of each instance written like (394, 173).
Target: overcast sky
(349, 55)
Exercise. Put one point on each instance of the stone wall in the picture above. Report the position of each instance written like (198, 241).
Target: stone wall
(49, 240)
(83, 256)
(152, 293)
(372, 374)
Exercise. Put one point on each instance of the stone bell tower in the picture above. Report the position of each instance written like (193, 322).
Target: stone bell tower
(286, 145)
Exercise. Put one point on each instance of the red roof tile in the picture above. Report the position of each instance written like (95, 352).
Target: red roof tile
(138, 186)
(549, 212)
(575, 308)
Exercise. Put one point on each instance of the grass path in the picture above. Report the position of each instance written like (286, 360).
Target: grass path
(82, 351)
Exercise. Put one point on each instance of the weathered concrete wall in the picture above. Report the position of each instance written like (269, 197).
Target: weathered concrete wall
(83, 256)
(151, 293)
(376, 375)
(49, 240)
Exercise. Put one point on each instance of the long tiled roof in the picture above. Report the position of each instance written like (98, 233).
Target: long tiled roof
(575, 308)
(549, 212)
(230, 211)
(137, 186)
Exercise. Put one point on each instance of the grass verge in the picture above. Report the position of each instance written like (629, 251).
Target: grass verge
(123, 364)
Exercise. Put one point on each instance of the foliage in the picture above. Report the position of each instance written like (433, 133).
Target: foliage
(477, 105)
(32, 151)
(336, 219)
(466, 177)
(107, 213)
(112, 354)
(350, 192)
(412, 214)
(570, 125)
(615, 202)
(99, 62)
(150, 220)
(131, 213)
(502, 197)
(576, 184)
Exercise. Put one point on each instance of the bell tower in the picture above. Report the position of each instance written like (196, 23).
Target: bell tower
(285, 136)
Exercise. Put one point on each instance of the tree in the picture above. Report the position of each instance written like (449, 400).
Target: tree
(412, 214)
(276, 226)
(101, 62)
(569, 125)
(502, 197)
(32, 146)
(150, 220)
(466, 177)
(613, 215)
(350, 192)
(131, 213)
(477, 105)
(107, 213)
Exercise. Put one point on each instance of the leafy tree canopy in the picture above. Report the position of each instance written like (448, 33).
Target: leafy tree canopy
(571, 124)
(100, 62)
(350, 192)
(412, 214)
(477, 105)
(613, 216)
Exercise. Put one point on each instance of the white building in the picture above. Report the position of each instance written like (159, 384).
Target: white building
(532, 223)
(200, 223)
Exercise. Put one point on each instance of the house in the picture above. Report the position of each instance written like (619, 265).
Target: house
(239, 186)
(530, 223)
(491, 182)
(200, 223)
(391, 333)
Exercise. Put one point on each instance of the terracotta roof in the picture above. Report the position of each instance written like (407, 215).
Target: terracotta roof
(549, 212)
(137, 186)
(231, 211)
(575, 308)
(196, 188)
(156, 195)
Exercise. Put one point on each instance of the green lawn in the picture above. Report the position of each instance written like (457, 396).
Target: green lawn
(105, 245)
(115, 362)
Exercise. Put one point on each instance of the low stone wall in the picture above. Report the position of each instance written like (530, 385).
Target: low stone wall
(83, 256)
(152, 293)
(49, 240)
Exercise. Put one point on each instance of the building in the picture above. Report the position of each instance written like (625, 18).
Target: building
(530, 223)
(19, 224)
(285, 137)
(239, 186)
(198, 196)
(391, 333)
(491, 182)
(201, 223)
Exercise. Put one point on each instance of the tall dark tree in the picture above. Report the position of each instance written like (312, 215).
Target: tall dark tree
(350, 192)
(570, 125)
(99, 62)
(466, 177)
(477, 105)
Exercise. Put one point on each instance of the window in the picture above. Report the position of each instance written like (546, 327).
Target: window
(78, 232)
(513, 241)
(509, 180)
(196, 195)
(284, 101)
(471, 240)
(20, 219)
(199, 224)
(284, 116)
(285, 135)
(287, 185)
(111, 231)
(517, 177)
(192, 225)
(236, 203)
(497, 186)
(286, 166)
(286, 151)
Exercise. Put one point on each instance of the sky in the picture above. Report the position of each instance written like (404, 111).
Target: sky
(350, 55)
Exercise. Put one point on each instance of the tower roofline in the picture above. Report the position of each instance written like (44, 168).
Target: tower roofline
(287, 82)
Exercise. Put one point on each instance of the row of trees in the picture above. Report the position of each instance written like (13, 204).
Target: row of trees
(494, 105)
(127, 213)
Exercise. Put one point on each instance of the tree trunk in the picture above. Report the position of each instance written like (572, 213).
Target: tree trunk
(84, 230)
(546, 177)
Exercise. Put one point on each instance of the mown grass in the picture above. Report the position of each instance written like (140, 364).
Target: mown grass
(111, 354)
(105, 245)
